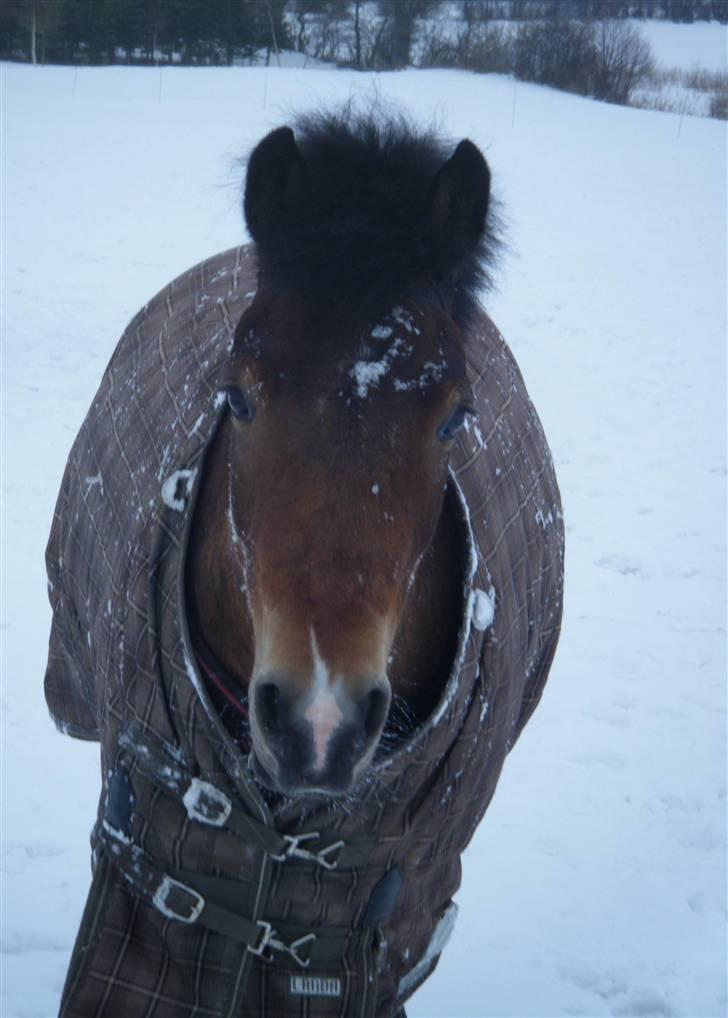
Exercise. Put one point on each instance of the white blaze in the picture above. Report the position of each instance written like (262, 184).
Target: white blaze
(323, 711)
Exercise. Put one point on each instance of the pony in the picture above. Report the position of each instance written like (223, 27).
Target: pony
(307, 649)
(347, 386)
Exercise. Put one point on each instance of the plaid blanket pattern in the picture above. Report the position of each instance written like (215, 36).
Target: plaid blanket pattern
(120, 657)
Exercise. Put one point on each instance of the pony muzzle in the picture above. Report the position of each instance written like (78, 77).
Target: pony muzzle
(319, 740)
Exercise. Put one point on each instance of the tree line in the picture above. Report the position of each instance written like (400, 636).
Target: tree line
(363, 34)
(138, 31)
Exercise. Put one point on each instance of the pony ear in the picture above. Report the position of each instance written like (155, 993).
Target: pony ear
(275, 172)
(455, 209)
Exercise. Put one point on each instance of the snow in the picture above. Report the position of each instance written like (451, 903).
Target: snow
(404, 317)
(702, 44)
(597, 883)
(368, 374)
(177, 487)
(431, 372)
(115, 833)
(483, 608)
(92, 482)
(440, 937)
(544, 519)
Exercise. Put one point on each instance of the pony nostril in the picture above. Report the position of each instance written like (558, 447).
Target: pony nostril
(376, 704)
(268, 706)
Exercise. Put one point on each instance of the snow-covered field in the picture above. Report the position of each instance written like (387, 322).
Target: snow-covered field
(597, 882)
(703, 44)
(680, 53)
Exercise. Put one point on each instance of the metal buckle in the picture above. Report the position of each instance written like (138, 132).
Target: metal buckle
(266, 933)
(293, 850)
(269, 939)
(293, 949)
(169, 884)
(207, 804)
(322, 856)
(293, 843)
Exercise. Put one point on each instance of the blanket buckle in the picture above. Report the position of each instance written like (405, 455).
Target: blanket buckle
(207, 804)
(189, 897)
(269, 939)
(295, 947)
(325, 857)
(266, 935)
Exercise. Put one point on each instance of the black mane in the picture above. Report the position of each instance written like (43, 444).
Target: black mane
(350, 237)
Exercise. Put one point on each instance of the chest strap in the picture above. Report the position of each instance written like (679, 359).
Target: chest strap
(209, 805)
(194, 899)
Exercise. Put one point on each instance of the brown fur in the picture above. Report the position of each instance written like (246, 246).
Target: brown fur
(337, 503)
(425, 641)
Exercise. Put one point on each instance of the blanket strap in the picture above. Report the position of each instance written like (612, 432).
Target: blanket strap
(178, 895)
(207, 804)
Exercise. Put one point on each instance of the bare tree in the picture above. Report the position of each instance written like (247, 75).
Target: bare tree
(307, 16)
(318, 27)
(373, 51)
(556, 52)
(39, 19)
(357, 34)
(367, 42)
(156, 18)
(274, 38)
(622, 60)
(483, 47)
(299, 10)
(401, 16)
(479, 10)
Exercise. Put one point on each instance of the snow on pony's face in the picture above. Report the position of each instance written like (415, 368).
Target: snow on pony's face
(338, 456)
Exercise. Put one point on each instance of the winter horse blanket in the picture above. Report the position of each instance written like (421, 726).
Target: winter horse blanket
(203, 902)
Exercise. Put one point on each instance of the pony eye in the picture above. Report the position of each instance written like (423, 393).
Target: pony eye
(240, 407)
(449, 429)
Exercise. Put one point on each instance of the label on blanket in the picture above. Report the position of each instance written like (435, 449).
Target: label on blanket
(315, 986)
